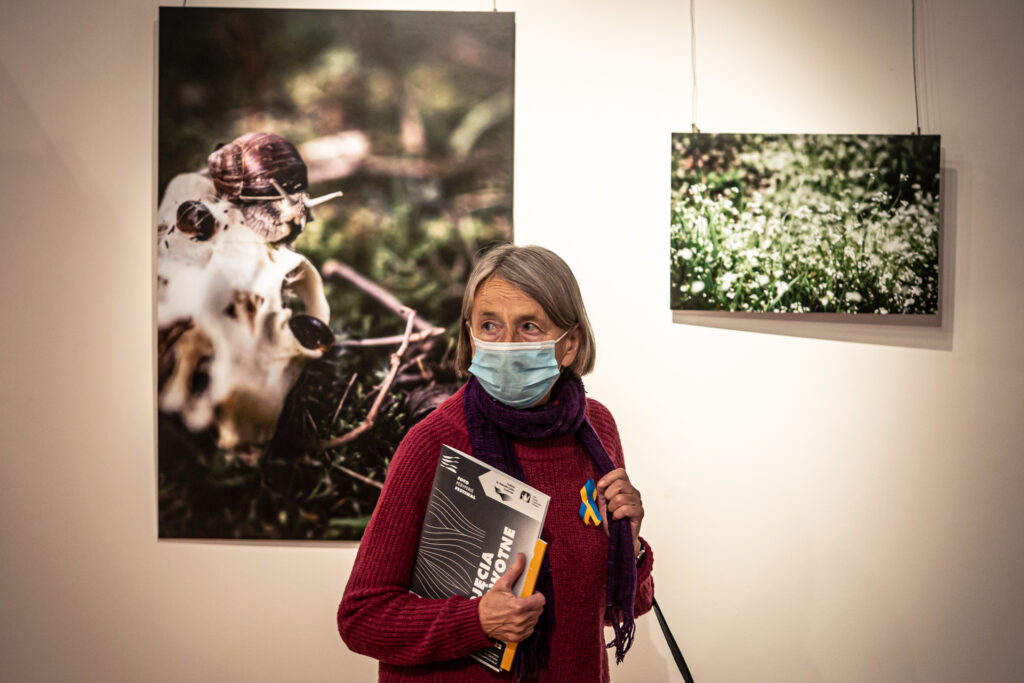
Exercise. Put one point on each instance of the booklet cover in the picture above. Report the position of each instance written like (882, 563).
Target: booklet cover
(477, 520)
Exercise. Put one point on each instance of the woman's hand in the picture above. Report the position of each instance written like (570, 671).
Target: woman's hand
(616, 498)
(503, 616)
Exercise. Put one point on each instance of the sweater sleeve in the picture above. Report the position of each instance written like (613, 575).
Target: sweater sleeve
(604, 424)
(378, 616)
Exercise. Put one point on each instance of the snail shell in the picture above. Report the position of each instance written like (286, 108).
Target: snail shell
(249, 165)
(196, 220)
(251, 171)
(311, 332)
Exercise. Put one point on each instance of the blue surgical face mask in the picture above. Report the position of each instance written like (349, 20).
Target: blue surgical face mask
(516, 373)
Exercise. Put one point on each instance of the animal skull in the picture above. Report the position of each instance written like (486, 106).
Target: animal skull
(229, 347)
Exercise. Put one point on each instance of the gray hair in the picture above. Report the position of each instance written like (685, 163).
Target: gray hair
(542, 275)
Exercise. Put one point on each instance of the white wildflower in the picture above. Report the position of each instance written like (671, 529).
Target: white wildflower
(893, 245)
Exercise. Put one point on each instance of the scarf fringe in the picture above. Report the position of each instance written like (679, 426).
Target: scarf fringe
(625, 632)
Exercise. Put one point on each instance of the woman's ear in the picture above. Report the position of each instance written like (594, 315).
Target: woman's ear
(570, 347)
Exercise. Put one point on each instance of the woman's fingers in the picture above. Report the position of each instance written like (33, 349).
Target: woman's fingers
(506, 617)
(616, 483)
(617, 495)
(503, 615)
(613, 476)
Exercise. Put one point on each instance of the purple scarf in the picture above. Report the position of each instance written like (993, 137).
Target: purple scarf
(492, 428)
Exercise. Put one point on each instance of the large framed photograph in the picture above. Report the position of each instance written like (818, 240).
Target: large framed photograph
(805, 224)
(325, 179)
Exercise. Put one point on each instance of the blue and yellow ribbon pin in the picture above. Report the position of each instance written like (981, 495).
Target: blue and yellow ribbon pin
(588, 508)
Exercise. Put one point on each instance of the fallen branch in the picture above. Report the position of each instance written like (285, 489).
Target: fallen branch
(361, 477)
(341, 402)
(396, 339)
(382, 388)
(333, 268)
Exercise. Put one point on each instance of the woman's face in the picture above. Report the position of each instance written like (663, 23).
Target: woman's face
(503, 313)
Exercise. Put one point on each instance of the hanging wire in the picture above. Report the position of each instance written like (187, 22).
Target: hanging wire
(913, 47)
(693, 65)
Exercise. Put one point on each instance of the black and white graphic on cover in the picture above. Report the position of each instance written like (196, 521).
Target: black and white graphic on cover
(477, 520)
(512, 493)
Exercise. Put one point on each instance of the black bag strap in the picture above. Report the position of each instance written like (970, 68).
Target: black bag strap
(676, 654)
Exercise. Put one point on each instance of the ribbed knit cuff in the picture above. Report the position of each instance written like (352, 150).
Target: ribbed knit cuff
(465, 625)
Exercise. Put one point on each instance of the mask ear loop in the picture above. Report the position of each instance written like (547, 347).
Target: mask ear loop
(567, 331)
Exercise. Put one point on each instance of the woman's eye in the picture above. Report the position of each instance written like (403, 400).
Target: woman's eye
(531, 328)
(487, 327)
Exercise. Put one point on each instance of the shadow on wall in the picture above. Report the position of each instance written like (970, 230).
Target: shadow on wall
(923, 332)
(801, 609)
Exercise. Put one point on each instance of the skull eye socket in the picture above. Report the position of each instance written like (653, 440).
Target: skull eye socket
(311, 332)
(199, 382)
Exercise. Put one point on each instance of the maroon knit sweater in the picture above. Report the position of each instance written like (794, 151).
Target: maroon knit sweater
(421, 639)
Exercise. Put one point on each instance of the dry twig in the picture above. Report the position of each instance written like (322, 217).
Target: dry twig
(333, 268)
(396, 339)
(337, 411)
(355, 475)
(396, 359)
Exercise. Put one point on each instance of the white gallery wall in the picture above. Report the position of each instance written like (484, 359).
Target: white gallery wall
(826, 501)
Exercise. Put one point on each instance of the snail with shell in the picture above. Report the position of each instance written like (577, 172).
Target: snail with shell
(265, 177)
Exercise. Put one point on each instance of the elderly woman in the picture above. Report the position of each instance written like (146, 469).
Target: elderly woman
(525, 341)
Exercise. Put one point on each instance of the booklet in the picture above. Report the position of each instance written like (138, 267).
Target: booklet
(477, 520)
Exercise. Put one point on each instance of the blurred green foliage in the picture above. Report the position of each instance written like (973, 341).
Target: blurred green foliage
(430, 189)
(805, 223)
